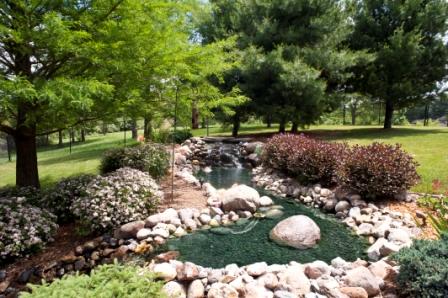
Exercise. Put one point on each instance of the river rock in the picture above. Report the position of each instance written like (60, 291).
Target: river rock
(298, 231)
(316, 269)
(240, 197)
(273, 213)
(221, 290)
(265, 201)
(362, 277)
(294, 277)
(342, 206)
(253, 290)
(196, 289)
(257, 269)
(166, 271)
(354, 292)
(143, 234)
(174, 289)
(269, 280)
(129, 230)
(187, 272)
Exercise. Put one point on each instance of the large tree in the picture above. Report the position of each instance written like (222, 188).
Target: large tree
(63, 62)
(408, 39)
(294, 56)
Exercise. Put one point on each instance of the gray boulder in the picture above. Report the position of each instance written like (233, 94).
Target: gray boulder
(298, 231)
(240, 198)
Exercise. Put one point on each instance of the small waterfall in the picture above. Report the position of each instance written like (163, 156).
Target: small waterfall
(223, 154)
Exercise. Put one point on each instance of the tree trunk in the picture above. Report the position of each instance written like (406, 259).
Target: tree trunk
(147, 128)
(388, 117)
(282, 127)
(104, 128)
(236, 125)
(194, 116)
(344, 112)
(269, 121)
(134, 129)
(426, 117)
(26, 150)
(9, 146)
(72, 135)
(60, 140)
(353, 114)
(83, 135)
(294, 127)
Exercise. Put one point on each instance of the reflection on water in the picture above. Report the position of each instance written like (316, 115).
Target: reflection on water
(248, 241)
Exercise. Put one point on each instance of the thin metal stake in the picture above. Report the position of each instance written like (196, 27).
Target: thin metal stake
(173, 145)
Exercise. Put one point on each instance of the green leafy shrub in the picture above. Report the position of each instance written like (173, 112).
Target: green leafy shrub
(150, 158)
(23, 227)
(59, 199)
(423, 268)
(307, 159)
(378, 170)
(106, 281)
(123, 196)
(180, 136)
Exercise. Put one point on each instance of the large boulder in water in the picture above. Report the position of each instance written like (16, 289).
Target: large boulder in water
(298, 231)
(240, 197)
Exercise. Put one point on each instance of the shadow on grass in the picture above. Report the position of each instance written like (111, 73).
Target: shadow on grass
(372, 133)
(355, 133)
(86, 152)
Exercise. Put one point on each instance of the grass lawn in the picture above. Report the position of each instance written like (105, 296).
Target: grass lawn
(428, 145)
(55, 163)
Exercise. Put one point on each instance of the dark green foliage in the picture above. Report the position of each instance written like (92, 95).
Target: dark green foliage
(423, 268)
(407, 39)
(180, 136)
(59, 198)
(32, 195)
(150, 158)
(378, 170)
(309, 160)
(106, 281)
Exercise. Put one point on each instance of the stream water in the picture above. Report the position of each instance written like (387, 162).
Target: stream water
(248, 241)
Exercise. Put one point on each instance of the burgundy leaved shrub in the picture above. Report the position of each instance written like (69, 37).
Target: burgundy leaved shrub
(378, 170)
(309, 160)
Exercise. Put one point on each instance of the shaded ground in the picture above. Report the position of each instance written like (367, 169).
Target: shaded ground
(65, 242)
(185, 195)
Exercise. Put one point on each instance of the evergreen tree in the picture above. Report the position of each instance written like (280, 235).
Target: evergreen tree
(407, 39)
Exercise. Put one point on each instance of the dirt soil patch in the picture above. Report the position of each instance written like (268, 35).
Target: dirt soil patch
(185, 195)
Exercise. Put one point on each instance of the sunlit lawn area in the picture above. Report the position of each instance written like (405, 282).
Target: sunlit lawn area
(428, 145)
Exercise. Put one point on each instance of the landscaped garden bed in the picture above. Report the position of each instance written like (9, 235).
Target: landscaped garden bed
(223, 250)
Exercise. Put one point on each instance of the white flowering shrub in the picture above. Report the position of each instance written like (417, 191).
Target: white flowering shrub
(123, 196)
(23, 227)
(32, 194)
(59, 198)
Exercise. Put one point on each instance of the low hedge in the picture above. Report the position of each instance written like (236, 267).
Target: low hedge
(106, 281)
(375, 171)
(378, 170)
(150, 158)
(307, 159)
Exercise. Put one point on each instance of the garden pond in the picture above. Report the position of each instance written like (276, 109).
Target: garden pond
(248, 241)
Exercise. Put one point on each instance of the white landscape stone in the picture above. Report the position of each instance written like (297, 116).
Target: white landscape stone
(298, 231)
(240, 197)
